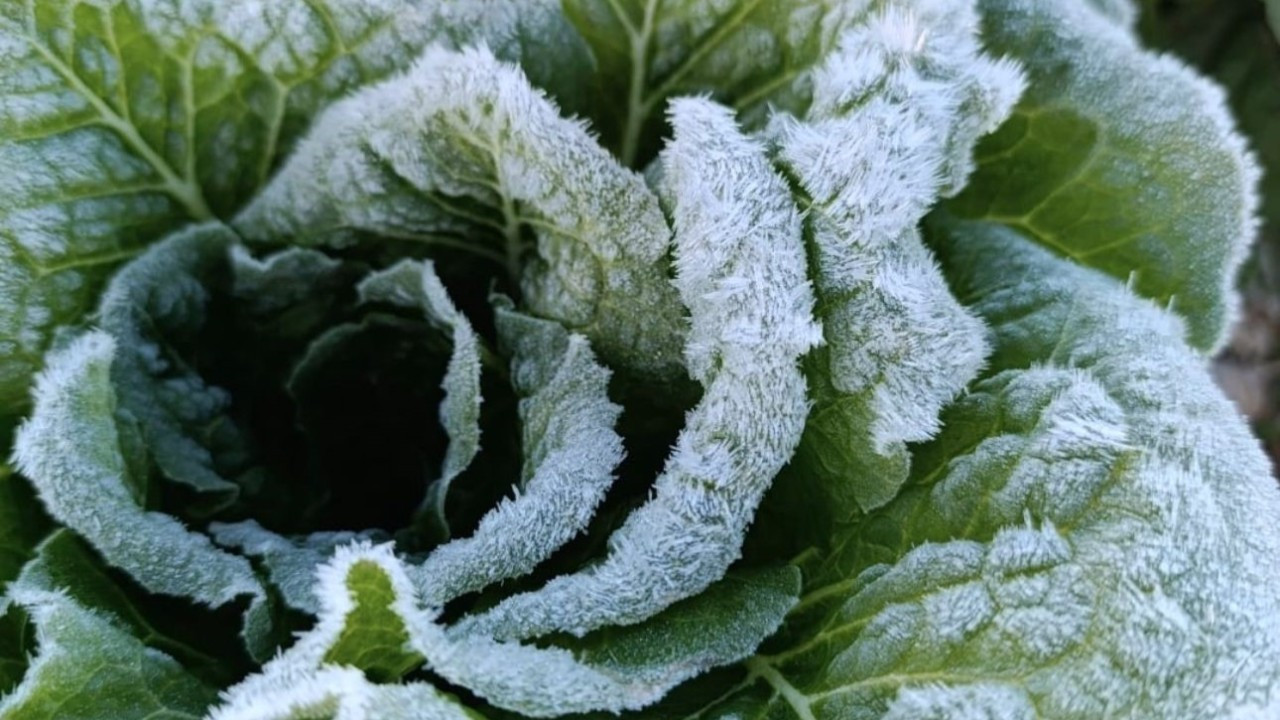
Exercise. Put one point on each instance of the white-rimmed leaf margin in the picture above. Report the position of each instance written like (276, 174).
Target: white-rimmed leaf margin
(70, 450)
(299, 684)
(571, 451)
(740, 270)
(415, 284)
(533, 681)
(77, 648)
(462, 151)
(896, 111)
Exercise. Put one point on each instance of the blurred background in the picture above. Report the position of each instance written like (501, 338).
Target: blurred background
(1235, 42)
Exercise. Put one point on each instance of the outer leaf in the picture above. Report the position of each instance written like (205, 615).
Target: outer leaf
(741, 272)
(1273, 14)
(571, 452)
(749, 53)
(129, 118)
(370, 620)
(1120, 159)
(1092, 535)
(22, 525)
(895, 113)
(463, 142)
(1229, 44)
(63, 564)
(157, 297)
(88, 669)
(70, 449)
(416, 284)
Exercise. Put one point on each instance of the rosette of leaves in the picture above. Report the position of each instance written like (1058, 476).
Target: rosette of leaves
(822, 359)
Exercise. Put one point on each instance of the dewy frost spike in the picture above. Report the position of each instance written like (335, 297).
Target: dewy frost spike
(444, 360)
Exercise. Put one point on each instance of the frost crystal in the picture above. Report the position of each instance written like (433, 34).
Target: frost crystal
(812, 359)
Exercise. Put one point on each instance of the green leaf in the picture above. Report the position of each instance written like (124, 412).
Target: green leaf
(896, 111)
(1091, 534)
(1231, 44)
(132, 117)
(150, 307)
(87, 668)
(1273, 15)
(416, 285)
(461, 152)
(1119, 159)
(571, 453)
(64, 564)
(373, 636)
(722, 625)
(70, 449)
(751, 54)
(740, 270)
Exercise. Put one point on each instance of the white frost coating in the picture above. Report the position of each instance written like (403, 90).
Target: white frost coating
(1167, 162)
(78, 647)
(163, 291)
(981, 701)
(741, 271)
(69, 449)
(536, 682)
(338, 692)
(415, 284)
(572, 451)
(464, 142)
(291, 562)
(895, 114)
(278, 280)
(298, 684)
(1122, 522)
